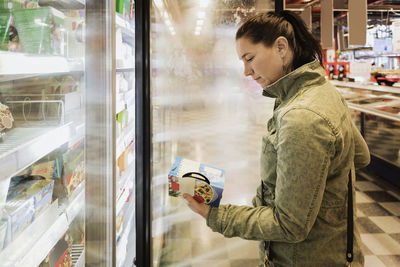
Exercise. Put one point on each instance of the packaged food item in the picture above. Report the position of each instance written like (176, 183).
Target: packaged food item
(119, 6)
(59, 256)
(49, 169)
(37, 188)
(74, 167)
(20, 214)
(3, 233)
(12, 4)
(6, 118)
(5, 24)
(204, 182)
(40, 30)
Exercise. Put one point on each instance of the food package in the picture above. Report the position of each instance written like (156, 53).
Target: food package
(20, 215)
(32, 187)
(5, 24)
(6, 118)
(12, 4)
(49, 169)
(59, 256)
(40, 30)
(119, 6)
(3, 233)
(74, 167)
(204, 182)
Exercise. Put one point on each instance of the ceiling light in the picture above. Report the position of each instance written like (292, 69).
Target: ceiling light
(200, 22)
(197, 33)
(198, 28)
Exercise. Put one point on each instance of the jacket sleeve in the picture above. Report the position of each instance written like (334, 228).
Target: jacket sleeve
(361, 156)
(305, 147)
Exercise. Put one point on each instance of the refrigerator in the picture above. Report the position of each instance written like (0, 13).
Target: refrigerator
(67, 133)
(42, 146)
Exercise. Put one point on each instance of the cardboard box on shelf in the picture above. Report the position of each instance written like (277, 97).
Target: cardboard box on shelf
(40, 30)
(32, 187)
(20, 214)
(3, 233)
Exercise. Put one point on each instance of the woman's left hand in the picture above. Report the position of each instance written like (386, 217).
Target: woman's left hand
(200, 208)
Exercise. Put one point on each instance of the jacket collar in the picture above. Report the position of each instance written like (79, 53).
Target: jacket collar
(287, 86)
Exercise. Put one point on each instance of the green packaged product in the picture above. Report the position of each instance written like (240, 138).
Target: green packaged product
(120, 6)
(18, 4)
(12, 4)
(40, 30)
(5, 23)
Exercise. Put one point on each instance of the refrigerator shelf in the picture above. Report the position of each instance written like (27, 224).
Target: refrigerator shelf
(20, 65)
(64, 4)
(125, 69)
(24, 146)
(78, 255)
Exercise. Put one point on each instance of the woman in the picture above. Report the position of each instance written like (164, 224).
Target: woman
(309, 148)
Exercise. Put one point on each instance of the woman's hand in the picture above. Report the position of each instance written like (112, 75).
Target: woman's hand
(200, 208)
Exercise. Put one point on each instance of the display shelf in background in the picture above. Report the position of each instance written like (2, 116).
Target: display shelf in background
(375, 112)
(64, 4)
(24, 146)
(372, 87)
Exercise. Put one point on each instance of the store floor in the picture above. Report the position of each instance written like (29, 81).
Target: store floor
(228, 134)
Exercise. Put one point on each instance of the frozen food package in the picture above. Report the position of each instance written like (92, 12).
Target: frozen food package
(37, 188)
(5, 24)
(12, 4)
(19, 213)
(40, 30)
(6, 118)
(3, 232)
(204, 182)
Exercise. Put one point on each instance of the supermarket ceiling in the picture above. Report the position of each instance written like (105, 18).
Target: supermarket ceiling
(232, 11)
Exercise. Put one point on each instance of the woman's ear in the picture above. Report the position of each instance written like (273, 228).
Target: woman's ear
(282, 46)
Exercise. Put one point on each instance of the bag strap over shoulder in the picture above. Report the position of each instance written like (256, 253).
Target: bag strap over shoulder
(350, 222)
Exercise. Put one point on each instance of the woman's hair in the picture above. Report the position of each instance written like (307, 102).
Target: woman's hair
(267, 27)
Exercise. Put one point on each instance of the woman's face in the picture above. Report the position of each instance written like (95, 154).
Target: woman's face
(263, 64)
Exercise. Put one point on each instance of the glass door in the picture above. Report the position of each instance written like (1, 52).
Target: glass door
(125, 132)
(42, 132)
(204, 110)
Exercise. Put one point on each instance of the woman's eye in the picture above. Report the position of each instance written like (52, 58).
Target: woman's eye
(249, 59)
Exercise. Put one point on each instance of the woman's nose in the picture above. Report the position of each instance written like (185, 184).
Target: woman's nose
(247, 70)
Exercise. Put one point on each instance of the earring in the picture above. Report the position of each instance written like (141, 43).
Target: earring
(284, 68)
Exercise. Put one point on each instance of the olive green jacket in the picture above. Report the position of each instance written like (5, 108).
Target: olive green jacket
(306, 156)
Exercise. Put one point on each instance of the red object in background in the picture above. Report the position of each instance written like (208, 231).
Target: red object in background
(174, 186)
